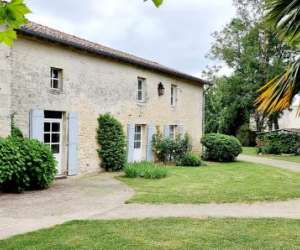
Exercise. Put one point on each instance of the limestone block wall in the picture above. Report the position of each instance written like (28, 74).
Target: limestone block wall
(92, 86)
(5, 90)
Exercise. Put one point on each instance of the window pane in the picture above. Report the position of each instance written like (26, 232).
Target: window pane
(140, 95)
(55, 138)
(55, 84)
(46, 138)
(140, 85)
(55, 148)
(54, 73)
(55, 127)
(138, 129)
(47, 127)
(137, 144)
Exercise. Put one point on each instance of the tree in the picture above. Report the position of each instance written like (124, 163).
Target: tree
(12, 16)
(254, 54)
(278, 93)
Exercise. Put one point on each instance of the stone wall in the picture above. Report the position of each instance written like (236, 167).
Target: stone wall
(5, 89)
(92, 86)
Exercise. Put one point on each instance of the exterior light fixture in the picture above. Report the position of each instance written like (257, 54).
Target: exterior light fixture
(161, 89)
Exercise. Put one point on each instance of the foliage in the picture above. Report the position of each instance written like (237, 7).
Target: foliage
(12, 17)
(147, 170)
(278, 143)
(253, 53)
(157, 3)
(218, 183)
(277, 94)
(246, 136)
(111, 138)
(168, 149)
(25, 165)
(14, 130)
(189, 160)
(220, 147)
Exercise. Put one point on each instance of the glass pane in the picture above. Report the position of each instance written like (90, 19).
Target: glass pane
(137, 144)
(55, 138)
(140, 95)
(140, 85)
(138, 129)
(47, 127)
(46, 138)
(54, 84)
(55, 127)
(54, 73)
(55, 148)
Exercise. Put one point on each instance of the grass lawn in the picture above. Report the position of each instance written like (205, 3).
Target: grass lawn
(162, 234)
(252, 151)
(220, 183)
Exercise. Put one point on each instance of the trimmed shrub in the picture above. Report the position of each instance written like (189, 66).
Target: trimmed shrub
(167, 149)
(111, 138)
(25, 165)
(147, 170)
(189, 160)
(220, 147)
(278, 143)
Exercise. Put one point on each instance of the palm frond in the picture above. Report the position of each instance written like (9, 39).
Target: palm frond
(277, 94)
(284, 16)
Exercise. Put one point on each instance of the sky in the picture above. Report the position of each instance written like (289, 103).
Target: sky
(178, 34)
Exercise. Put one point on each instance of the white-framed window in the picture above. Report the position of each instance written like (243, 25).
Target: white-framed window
(56, 78)
(173, 131)
(141, 90)
(138, 137)
(173, 95)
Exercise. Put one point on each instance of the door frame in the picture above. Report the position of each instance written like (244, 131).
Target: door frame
(140, 149)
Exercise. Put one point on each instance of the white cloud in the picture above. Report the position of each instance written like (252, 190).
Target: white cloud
(177, 34)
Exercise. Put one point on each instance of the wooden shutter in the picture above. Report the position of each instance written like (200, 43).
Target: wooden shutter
(73, 144)
(167, 131)
(130, 142)
(37, 125)
(181, 131)
(150, 133)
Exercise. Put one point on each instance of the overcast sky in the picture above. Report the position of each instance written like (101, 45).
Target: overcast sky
(178, 34)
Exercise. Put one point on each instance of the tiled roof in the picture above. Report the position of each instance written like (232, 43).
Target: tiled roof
(44, 32)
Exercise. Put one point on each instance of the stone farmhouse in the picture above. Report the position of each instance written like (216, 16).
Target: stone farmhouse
(56, 85)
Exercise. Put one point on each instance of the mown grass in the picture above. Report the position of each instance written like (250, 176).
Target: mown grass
(253, 151)
(179, 233)
(219, 183)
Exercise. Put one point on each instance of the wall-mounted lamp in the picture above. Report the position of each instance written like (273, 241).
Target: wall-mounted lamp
(161, 89)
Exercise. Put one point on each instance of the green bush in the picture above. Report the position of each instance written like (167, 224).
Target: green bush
(25, 165)
(189, 160)
(111, 138)
(278, 143)
(167, 149)
(246, 136)
(220, 147)
(147, 170)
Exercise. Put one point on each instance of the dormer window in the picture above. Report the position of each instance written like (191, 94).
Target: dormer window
(56, 79)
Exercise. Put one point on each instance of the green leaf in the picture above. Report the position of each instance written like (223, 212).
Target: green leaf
(157, 2)
(7, 37)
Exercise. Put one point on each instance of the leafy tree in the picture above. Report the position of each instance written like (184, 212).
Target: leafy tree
(254, 54)
(12, 16)
(278, 93)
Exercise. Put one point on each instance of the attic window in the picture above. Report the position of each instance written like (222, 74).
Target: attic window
(56, 79)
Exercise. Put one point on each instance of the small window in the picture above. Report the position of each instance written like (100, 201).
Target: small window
(173, 95)
(173, 131)
(138, 136)
(141, 90)
(56, 79)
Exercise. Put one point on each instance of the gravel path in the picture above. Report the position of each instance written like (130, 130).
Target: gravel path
(292, 166)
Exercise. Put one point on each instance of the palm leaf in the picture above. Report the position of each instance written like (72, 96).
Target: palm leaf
(277, 94)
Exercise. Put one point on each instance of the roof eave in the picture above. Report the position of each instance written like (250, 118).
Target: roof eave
(110, 55)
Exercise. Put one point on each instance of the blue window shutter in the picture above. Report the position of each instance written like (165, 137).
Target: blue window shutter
(167, 131)
(150, 133)
(73, 144)
(181, 131)
(130, 142)
(37, 125)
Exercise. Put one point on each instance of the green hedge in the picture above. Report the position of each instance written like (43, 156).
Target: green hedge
(25, 165)
(220, 147)
(111, 138)
(278, 143)
(189, 160)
